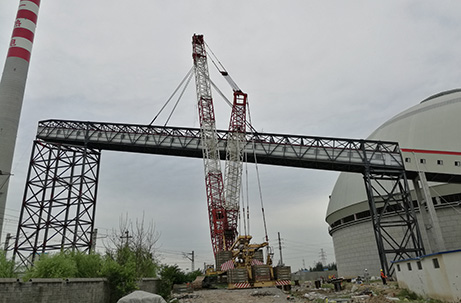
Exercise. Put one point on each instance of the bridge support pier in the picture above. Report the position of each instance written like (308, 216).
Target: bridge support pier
(59, 201)
(391, 209)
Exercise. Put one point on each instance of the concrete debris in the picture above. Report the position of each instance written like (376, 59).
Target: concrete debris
(311, 296)
(262, 293)
(305, 292)
(360, 298)
(139, 296)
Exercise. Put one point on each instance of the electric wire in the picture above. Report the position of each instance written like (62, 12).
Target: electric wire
(6, 181)
(447, 203)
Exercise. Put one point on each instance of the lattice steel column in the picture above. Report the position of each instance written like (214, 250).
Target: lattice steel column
(393, 216)
(59, 201)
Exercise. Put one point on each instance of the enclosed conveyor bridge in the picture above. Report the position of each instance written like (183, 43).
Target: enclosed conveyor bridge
(60, 195)
(336, 154)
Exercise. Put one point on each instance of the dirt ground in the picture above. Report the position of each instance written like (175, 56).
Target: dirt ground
(306, 292)
(266, 295)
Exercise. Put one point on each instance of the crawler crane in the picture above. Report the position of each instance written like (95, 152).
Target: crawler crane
(237, 260)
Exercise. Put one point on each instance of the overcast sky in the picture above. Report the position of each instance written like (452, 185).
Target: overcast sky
(323, 68)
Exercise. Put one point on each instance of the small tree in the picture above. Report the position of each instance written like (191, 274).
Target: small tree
(332, 266)
(141, 240)
(317, 267)
(191, 276)
(120, 274)
(170, 275)
(320, 267)
(130, 256)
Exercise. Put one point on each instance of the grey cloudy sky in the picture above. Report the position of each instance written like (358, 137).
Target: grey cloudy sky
(323, 68)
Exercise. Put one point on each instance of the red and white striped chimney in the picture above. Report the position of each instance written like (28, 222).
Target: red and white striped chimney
(12, 85)
(24, 29)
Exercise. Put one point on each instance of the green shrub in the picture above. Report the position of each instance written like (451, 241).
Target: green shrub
(407, 294)
(88, 265)
(121, 277)
(59, 265)
(6, 267)
(66, 265)
(169, 275)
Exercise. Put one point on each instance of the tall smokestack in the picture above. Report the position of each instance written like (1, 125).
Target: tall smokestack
(12, 87)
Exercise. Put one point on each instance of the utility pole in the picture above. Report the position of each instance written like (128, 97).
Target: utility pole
(126, 237)
(280, 249)
(7, 242)
(94, 236)
(191, 258)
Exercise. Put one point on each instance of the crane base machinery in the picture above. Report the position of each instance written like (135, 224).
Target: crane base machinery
(243, 266)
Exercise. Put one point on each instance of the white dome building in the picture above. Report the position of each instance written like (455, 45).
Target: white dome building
(429, 135)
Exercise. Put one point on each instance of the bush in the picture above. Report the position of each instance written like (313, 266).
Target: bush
(66, 265)
(191, 276)
(88, 265)
(170, 275)
(121, 277)
(53, 266)
(407, 294)
(6, 267)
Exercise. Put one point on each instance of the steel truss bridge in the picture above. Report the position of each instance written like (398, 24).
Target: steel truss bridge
(59, 201)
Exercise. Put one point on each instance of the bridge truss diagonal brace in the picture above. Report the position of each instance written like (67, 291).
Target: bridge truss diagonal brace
(393, 217)
(59, 201)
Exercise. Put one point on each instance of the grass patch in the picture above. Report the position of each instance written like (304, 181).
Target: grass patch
(413, 297)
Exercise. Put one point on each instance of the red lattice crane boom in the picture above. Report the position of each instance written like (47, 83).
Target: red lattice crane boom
(234, 155)
(222, 197)
(222, 235)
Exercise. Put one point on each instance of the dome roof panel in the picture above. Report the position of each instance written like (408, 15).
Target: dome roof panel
(433, 124)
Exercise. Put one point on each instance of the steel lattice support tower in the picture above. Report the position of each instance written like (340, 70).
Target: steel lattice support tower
(59, 201)
(391, 209)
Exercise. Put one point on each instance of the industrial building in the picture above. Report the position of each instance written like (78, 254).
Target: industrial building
(428, 135)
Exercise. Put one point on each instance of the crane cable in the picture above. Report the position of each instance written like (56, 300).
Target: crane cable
(253, 131)
(248, 198)
(242, 213)
(222, 70)
(186, 79)
(258, 176)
